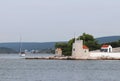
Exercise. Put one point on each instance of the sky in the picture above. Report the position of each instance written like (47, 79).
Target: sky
(57, 20)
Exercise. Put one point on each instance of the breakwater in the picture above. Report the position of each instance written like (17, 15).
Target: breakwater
(74, 58)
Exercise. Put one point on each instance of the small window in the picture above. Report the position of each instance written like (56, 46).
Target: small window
(73, 49)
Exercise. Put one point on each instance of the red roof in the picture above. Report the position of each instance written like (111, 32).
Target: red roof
(85, 47)
(105, 46)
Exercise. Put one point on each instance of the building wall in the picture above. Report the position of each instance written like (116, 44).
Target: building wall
(105, 54)
(106, 49)
(77, 48)
(86, 50)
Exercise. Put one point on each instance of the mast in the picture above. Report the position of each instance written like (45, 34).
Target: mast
(20, 49)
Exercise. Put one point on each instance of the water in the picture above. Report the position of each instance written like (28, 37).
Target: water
(15, 68)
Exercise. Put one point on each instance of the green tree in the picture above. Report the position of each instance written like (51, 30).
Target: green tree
(89, 41)
(86, 37)
(70, 43)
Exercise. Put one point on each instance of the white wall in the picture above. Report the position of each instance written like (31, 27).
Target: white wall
(116, 55)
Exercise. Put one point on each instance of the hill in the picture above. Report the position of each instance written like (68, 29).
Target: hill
(7, 50)
(29, 46)
(108, 39)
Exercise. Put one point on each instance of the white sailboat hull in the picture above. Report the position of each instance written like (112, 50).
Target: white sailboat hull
(23, 55)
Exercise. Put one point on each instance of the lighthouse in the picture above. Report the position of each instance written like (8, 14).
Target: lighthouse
(78, 50)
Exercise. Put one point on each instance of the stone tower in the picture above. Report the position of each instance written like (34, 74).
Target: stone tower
(78, 50)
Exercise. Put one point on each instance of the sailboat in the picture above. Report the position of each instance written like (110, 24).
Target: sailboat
(20, 50)
(22, 54)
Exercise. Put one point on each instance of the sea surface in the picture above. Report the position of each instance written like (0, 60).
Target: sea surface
(16, 68)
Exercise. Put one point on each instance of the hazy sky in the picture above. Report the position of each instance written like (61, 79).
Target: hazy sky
(57, 20)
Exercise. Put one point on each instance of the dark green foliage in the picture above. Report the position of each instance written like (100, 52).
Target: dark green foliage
(69, 45)
(86, 37)
(60, 45)
(89, 41)
(70, 42)
(92, 45)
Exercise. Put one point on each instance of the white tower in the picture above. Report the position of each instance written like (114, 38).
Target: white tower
(77, 49)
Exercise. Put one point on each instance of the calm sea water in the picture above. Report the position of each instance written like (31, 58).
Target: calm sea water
(14, 68)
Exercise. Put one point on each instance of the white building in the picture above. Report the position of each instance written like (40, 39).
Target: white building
(86, 49)
(79, 50)
(58, 52)
(106, 48)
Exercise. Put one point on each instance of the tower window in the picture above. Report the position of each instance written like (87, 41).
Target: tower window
(73, 49)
